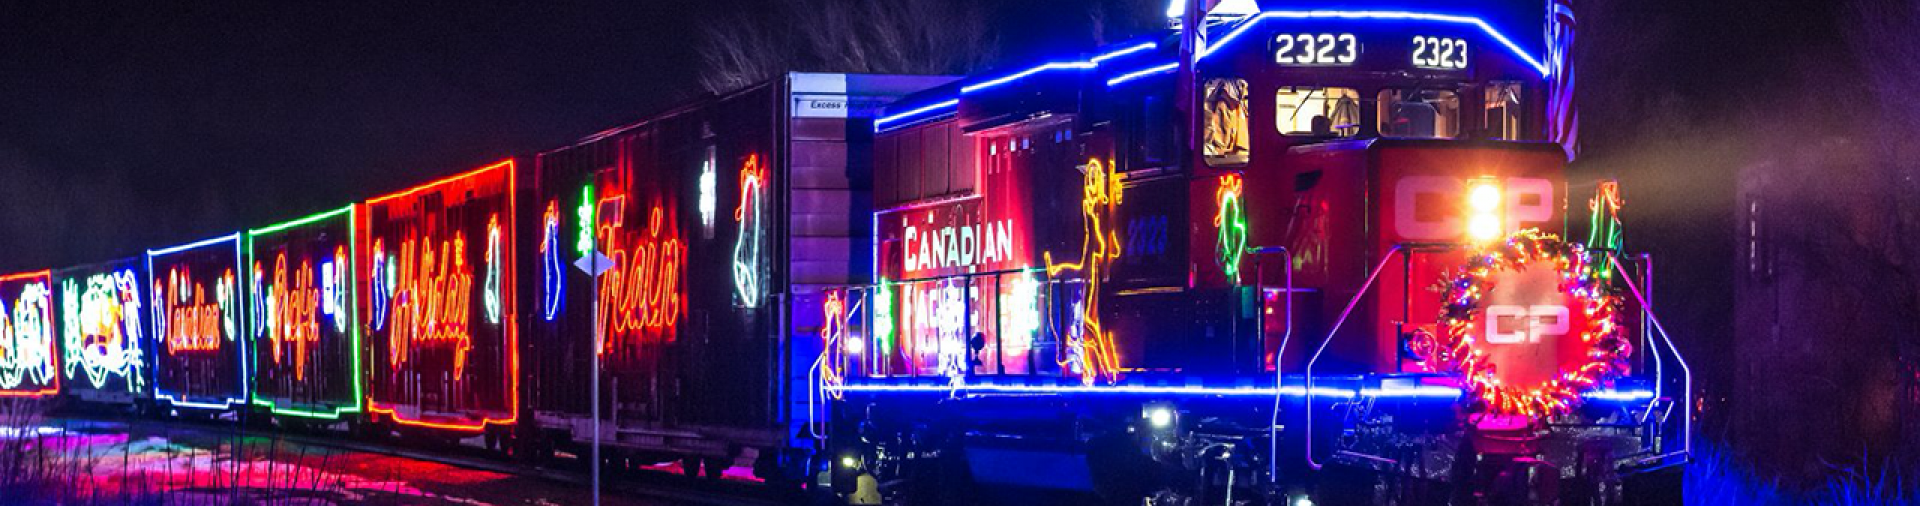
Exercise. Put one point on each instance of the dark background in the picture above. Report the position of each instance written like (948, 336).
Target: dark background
(129, 125)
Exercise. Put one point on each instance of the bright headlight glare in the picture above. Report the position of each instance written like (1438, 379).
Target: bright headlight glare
(1484, 197)
(849, 462)
(1160, 417)
(1484, 227)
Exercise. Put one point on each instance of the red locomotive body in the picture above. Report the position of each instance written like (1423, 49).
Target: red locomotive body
(1305, 245)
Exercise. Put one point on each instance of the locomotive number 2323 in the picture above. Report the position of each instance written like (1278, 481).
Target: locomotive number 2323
(1315, 49)
(1439, 53)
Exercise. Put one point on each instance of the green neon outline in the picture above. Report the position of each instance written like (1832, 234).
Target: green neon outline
(353, 266)
(1231, 243)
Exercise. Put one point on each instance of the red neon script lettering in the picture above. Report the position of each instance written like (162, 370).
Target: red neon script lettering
(431, 304)
(194, 323)
(640, 297)
(293, 322)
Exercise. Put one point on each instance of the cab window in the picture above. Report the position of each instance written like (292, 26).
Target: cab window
(1322, 112)
(1227, 140)
(1419, 113)
(1503, 110)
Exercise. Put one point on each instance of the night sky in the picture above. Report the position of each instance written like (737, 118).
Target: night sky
(142, 124)
(128, 125)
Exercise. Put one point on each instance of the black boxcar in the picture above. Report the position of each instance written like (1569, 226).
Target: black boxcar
(104, 340)
(301, 314)
(199, 358)
(722, 219)
(438, 287)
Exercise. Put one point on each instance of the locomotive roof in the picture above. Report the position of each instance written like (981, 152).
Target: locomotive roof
(1156, 53)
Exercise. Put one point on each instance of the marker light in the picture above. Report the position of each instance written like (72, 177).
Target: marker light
(1159, 417)
(849, 462)
(855, 346)
(1302, 501)
(1483, 208)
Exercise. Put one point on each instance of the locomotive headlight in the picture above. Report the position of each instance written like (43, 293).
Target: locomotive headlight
(1483, 209)
(1158, 417)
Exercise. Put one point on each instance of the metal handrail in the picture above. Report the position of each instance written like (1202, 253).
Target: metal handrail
(1646, 309)
(1371, 277)
(1260, 290)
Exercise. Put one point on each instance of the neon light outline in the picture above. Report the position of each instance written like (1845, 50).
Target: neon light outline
(885, 122)
(641, 293)
(513, 336)
(490, 287)
(1099, 248)
(111, 304)
(746, 248)
(160, 326)
(553, 271)
(10, 322)
(1231, 221)
(1423, 391)
(350, 314)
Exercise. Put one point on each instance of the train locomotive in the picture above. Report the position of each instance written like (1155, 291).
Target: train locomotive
(1287, 255)
(1271, 255)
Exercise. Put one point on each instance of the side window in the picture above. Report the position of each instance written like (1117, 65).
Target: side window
(1419, 113)
(1322, 112)
(1227, 140)
(1503, 110)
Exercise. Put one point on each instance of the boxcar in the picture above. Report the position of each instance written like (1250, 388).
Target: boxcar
(104, 341)
(200, 358)
(439, 301)
(29, 362)
(301, 316)
(721, 219)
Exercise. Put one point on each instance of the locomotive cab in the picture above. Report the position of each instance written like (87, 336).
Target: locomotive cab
(1303, 243)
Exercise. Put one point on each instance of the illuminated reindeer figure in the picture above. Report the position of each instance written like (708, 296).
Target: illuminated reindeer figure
(1090, 345)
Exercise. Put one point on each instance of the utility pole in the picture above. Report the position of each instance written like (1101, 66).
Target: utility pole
(596, 264)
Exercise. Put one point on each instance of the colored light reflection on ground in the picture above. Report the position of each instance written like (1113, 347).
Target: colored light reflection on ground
(68, 462)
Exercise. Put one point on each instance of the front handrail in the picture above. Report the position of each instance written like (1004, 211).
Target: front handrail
(1646, 309)
(1344, 313)
(1260, 290)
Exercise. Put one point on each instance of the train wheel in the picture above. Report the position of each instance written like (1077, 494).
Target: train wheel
(713, 468)
(690, 466)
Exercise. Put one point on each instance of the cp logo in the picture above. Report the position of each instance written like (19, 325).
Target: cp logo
(1508, 324)
(1427, 208)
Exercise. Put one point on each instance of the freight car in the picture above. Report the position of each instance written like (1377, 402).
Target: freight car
(29, 358)
(1283, 255)
(301, 314)
(105, 344)
(442, 337)
(719, 222)
(200, 357)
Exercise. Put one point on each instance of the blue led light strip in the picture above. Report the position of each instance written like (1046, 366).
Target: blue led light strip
(1157, 69)
(947, 106)
(1428, 392)
(882, 123)
(1352, 15)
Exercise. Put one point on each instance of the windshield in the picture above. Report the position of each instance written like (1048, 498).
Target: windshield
(1325, 112)
(1419, 113)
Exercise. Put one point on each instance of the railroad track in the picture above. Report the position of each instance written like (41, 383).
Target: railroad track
(665, 486)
